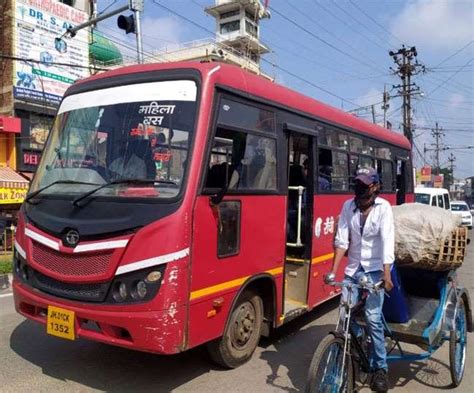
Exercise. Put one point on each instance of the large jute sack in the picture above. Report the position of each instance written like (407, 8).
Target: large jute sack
(428, 237)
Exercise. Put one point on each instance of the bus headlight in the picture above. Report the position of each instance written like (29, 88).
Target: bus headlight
(140, 290)
(138, 286)
(120, 292)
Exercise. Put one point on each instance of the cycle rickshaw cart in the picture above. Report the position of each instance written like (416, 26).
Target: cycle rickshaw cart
(439, 312)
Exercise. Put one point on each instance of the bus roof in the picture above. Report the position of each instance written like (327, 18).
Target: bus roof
(237, 78)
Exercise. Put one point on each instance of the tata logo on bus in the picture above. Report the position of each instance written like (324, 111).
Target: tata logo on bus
(325, 227)
(71, 238)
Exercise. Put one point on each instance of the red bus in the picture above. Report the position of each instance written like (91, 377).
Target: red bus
(187, 203)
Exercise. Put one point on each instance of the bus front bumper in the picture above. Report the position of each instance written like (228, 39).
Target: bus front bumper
(150, 331)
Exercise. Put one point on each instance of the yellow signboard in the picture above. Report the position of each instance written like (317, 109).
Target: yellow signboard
(12, 195)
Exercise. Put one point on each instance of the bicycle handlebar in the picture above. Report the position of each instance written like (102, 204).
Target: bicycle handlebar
(361, 285)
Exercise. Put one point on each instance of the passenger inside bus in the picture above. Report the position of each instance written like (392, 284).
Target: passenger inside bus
(325, 169)
(250, 162)
(131, 162)
(324, 178)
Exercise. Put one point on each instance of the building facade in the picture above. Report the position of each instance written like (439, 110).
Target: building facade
(34, 76)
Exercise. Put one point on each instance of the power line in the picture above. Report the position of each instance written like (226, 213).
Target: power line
(291, 21)
(454, 54)
(325, 30)
(349, 76)
(448, 79)
(264, 60)
(358, 22)
(25, 59)
(457, 85)
(309, 82)
(348, 25)
(183, 17)
(375, 21)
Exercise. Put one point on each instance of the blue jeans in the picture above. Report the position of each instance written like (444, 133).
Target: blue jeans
(373, 316)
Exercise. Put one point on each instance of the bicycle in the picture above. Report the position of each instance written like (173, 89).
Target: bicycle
(342, 356)
(344, 351)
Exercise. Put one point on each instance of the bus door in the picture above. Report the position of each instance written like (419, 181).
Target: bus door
(402, 178)
(299, 219)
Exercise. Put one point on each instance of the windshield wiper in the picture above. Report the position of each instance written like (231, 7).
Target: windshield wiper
(76, 201)
(34, 193)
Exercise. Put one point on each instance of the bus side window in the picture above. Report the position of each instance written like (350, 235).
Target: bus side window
(333, 170)
(433, 201)
(247, 161)
(387, 176)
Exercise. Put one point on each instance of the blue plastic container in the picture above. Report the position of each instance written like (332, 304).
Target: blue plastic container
(395, 305)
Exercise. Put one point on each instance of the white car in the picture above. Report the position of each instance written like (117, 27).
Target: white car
(462, 209)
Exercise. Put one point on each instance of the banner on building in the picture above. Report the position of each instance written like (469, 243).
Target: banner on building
(425, 174)
(36, 25)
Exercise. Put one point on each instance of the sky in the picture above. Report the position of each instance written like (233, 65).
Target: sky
(336, 51)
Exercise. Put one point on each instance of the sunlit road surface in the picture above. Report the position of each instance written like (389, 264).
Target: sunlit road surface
(31, 361)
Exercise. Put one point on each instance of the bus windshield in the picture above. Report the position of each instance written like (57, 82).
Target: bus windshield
(134, 138)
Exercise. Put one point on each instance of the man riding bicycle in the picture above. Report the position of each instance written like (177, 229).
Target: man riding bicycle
(365, 230)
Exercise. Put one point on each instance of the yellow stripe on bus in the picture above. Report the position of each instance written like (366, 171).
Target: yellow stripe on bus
(229, 284)
(322, 258)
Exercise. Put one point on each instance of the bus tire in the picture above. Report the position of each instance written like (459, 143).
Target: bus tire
(242, 332)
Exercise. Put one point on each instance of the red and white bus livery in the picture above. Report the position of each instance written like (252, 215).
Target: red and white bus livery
(187, 203)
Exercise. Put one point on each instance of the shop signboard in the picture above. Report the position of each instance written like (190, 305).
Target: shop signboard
(438, 181)
(36, 25)
(12, 195)
(34, 132)
(425, 174)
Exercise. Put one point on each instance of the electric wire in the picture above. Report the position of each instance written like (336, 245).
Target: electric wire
(358, 22)
(263, 59)
(315, 36)
(375, 21)
(329, 11)
(312, 20)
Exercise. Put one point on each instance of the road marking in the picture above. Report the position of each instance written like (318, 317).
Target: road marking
(6, 295)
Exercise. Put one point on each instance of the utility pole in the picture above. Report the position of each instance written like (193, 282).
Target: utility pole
(137, 7)
(385, 105)
(132, 25)
(404, 58)
(437, 133)
(451, 160)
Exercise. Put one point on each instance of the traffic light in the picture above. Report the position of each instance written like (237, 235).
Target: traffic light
(126, 23)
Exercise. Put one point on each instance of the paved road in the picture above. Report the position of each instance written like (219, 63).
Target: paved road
(31, 361)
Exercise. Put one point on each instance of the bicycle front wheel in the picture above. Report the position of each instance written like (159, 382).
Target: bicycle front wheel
(326, 373)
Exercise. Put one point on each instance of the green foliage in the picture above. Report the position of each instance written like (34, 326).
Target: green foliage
(5, 264)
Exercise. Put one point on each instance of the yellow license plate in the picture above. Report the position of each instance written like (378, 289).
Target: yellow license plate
(60, 323)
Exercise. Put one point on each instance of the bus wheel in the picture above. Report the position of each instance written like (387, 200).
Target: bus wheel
(242, 333)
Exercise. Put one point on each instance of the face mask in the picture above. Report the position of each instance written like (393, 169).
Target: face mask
(361, 190)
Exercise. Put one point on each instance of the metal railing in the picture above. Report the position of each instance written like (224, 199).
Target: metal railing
(299, 214)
